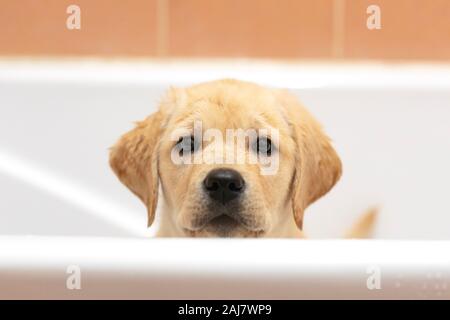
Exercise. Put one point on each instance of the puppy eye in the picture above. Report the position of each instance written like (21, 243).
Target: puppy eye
(263, 146)
(187, 145)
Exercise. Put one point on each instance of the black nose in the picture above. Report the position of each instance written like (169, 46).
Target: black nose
(224, 185)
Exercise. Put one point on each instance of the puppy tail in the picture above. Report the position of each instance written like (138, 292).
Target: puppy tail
(363, 227)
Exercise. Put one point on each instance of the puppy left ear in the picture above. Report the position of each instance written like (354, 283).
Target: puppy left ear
(135, 162)
(317, 165)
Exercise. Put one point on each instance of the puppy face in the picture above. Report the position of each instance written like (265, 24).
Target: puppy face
(211, 146)
(212, 196)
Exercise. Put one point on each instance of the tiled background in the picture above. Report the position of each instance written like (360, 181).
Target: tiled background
(291, 29)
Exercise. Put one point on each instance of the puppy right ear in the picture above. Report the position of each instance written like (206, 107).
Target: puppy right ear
(134, 159)
(317, 165)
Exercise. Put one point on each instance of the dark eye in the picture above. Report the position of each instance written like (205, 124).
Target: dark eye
(263, 146)
(187, 145)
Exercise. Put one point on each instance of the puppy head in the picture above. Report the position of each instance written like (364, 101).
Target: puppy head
(214, 183)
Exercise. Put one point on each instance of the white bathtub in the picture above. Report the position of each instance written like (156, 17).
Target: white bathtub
(60, 204)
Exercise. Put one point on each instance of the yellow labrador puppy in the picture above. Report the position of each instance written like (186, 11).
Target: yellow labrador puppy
(232, 158)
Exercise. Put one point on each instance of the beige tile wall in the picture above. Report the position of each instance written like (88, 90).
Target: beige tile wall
(411, 29)
(108, 27)
(323, 29)
(256, 28)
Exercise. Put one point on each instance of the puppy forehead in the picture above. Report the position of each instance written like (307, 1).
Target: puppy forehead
(231, 108)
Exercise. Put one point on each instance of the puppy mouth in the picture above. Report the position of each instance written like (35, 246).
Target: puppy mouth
(223, 222)
(225, 225)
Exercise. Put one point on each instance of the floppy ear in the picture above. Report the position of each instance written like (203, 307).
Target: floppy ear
(135, 162)
(134, 158)
(317, 165)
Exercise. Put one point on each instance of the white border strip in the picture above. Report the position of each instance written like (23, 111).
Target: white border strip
(285, 75)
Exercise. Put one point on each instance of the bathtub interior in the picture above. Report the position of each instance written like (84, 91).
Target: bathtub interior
(390, 126)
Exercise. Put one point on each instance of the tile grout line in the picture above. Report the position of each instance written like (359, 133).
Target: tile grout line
(338, 31)
(162, 28)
